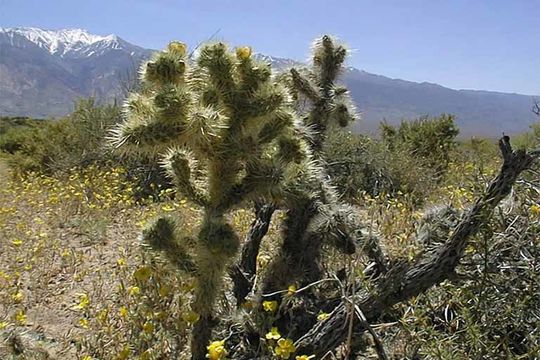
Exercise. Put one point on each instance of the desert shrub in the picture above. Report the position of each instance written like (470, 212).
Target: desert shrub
(430, 140)
(358, 164)
(76, 141)
(58, 145)
(15, 132)
(530, 139)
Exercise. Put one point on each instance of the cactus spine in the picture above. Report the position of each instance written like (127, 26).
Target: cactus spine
(228, 135)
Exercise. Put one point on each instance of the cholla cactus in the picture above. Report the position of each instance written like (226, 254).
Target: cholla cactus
(329, 104)
(314, 213)
(227, 134)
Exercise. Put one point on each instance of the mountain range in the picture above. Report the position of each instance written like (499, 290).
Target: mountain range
(43, 72)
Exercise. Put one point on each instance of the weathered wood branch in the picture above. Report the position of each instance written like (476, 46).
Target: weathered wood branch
(405, 281)
(244, 271)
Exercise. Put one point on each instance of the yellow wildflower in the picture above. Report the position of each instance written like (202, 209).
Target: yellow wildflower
(148, 327)
(123, 354)
(84, 323)
(304, 357)
(270, 306)
(84, 301)
(102, 315)
(86, 357)
(3, 325)
(17, 242)
(20, 317)
(323, 316)
(535, 209)
(285, 348)
(273, 334)
(17, 297)
(121, 262)
(142, 273)
(134, 290)
(216, 350)
(291, 290)
(124, 312)
(164, 290)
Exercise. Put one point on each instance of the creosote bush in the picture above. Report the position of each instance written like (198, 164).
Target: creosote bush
(428, 139)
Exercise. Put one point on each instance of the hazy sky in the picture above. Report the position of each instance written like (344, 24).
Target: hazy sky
(462, 44)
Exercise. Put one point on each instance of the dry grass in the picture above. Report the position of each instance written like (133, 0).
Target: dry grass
(76, 284)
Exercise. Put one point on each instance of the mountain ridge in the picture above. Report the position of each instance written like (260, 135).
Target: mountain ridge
(42, 73)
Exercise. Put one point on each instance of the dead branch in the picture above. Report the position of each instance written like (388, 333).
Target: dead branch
(405, 281)
(243, 273)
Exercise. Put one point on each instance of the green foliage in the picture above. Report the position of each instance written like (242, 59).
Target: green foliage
(358, 164)
(529, 140)
(57, 145)
(429, 139)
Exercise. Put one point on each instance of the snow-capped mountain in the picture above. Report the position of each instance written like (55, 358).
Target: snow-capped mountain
(277, 62)
(43, 72)
(64, 43)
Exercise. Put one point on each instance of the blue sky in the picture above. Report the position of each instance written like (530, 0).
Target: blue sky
(462, 44)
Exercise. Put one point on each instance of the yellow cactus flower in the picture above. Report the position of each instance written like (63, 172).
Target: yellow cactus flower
(177, 47)
(285, 348)
(143, 273)
(273, 334)
(216, 350)
(243, 52)
(270, 306)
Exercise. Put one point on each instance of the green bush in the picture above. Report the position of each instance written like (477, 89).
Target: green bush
(530, 139)
(358, 164)
(56, 145)
(430, 140)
